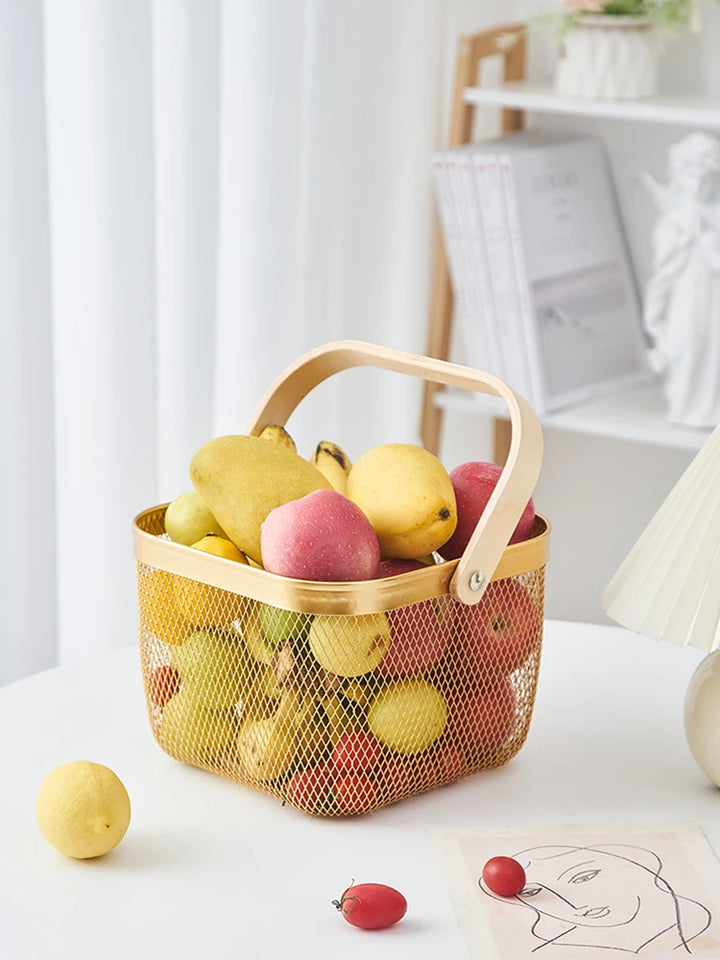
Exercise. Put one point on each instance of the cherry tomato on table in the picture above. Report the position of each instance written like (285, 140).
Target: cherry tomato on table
(371, 906)
(504, 876)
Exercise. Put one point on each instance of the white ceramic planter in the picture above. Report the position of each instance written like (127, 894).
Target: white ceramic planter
(608, 57)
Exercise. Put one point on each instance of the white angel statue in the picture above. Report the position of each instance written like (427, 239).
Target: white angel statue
(682, 298)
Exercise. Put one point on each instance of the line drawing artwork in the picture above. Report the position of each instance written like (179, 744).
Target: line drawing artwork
(610, 896)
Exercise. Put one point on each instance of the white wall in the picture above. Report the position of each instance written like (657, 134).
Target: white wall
(599, 493)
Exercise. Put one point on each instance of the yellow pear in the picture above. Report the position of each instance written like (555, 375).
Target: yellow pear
(350, 646)
(408, 497)
(243, 478)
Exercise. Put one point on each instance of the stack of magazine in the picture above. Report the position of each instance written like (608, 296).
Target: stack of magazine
(544, 290)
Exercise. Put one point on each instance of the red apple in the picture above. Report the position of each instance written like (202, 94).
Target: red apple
(420, 635)
(163, 684)
(448, 763)
(395, 776)
(393, 567)
(481, 723)
(499, 633)
(356, 752)
(355, 793)
(310, 790)
(473, 483)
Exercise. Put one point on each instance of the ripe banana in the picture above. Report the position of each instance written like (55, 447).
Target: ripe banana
(266, 748)
(278, 434)
(339, 720)
(333, 463)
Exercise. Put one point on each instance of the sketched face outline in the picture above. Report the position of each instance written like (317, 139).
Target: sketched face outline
(586, 887)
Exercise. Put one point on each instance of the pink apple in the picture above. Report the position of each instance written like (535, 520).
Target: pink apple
(474, 483)
(498, 634)
(322, 536)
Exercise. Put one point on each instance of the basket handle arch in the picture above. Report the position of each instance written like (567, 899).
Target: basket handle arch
(520, 472)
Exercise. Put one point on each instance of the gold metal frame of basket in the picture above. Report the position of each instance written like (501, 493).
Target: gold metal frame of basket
(487, 555)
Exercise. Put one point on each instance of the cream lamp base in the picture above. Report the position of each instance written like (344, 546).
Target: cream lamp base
(702, 716)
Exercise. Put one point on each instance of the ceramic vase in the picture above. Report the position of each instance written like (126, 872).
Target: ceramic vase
(702, 716)
(608, 57)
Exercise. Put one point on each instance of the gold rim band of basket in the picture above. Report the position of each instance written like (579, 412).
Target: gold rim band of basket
(487, 555)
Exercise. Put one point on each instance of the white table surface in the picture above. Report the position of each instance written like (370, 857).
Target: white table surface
(209, 868)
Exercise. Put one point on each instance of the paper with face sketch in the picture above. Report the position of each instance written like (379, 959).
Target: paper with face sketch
(592, 892)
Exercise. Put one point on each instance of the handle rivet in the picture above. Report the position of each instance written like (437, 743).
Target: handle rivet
(477, 579)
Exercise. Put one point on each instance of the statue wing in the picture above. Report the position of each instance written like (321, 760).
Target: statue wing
(660, 192)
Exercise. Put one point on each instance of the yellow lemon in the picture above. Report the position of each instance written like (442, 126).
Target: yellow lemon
(158, 613)
(205, 605)
(83, 809)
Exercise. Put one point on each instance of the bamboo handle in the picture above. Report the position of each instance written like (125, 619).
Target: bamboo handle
(517, 480)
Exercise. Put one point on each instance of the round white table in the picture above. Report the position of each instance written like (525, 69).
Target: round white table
(209, 868)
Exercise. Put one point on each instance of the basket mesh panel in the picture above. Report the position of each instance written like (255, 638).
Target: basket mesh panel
(338, 715)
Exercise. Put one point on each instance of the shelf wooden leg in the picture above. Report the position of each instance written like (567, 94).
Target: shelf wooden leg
(471, 50)
(438, 345)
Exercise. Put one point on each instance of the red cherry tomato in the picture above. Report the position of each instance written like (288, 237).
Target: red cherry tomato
(371, 906)
(504, 876)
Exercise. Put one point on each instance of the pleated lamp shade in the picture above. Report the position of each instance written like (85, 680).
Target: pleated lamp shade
(668, 586)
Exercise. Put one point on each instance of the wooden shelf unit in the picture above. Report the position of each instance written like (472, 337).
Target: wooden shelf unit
(636, 413)
(526, 95)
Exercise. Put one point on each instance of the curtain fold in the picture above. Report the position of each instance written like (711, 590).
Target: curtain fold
(102, 240)
(194, 193)
(186, 86)
(27, 484)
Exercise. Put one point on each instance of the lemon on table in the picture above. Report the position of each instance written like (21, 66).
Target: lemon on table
(83, 809)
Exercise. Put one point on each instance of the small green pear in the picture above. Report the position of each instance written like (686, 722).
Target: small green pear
(188, 519)
(279, 624)
(214, 667)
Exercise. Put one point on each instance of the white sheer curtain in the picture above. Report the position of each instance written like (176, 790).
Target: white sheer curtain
(194, 192)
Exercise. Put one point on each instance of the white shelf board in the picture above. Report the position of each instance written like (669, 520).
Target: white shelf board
(635, 413)
(691, 111)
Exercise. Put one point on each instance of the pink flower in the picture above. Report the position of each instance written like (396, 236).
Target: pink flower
(584, 6)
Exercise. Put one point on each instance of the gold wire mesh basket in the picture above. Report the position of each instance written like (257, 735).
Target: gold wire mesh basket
(338, 698)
